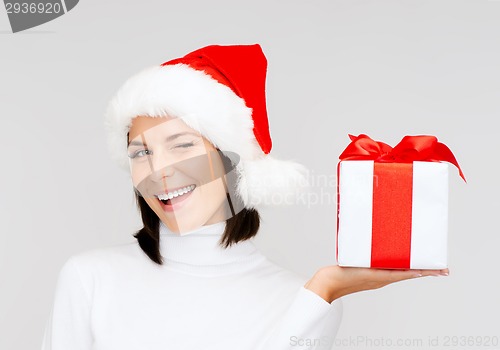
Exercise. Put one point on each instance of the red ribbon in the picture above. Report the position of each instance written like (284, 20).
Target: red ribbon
(409, 149)
(392, 215)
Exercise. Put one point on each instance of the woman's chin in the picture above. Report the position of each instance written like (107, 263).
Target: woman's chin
(181, 227)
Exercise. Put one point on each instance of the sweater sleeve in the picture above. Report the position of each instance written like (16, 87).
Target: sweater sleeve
(68, 325)
(309, 323)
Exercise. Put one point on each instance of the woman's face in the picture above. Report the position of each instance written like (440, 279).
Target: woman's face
(178, 172)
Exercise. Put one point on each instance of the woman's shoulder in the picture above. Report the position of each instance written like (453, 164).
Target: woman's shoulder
(104, 257)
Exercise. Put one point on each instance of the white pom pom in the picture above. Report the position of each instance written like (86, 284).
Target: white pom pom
(269, 182)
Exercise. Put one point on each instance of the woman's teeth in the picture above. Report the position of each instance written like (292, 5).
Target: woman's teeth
(166, 196)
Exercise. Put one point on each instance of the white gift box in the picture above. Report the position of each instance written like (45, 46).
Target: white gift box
(392, 215)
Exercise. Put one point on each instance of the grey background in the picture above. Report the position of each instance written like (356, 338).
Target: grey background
(384, 68)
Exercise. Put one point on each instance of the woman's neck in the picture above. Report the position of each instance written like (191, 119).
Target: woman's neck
(198, 252)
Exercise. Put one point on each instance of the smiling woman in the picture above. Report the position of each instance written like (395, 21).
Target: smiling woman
(194, 135)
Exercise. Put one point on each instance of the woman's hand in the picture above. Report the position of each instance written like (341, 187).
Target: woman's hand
(333, 282)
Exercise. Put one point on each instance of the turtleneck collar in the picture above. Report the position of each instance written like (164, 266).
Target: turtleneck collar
(198, 251)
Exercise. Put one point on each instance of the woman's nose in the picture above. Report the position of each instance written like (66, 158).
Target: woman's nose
(159, 174)
(161, 166)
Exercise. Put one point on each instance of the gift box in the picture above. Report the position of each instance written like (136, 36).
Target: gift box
(392, 203)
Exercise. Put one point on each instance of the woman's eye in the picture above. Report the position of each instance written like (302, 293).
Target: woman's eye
(140, 153)
(144, 152)
(185, 145)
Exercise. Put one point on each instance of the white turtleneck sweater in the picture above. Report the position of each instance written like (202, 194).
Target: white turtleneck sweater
(203, 297)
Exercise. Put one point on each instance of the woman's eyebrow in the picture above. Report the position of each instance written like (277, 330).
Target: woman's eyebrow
(168, 139)
(135, 143)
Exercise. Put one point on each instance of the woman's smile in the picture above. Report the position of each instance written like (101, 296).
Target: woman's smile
(175, 199)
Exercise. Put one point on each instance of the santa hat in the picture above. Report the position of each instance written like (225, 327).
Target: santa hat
(220, 92)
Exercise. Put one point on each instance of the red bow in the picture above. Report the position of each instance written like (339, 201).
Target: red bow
(409, 149)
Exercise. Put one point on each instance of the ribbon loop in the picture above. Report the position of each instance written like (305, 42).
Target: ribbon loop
(409, 149)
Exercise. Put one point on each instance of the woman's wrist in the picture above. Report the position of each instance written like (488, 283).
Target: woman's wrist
(318, 285)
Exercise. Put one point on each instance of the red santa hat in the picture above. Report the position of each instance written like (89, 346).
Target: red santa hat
(220, 92)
